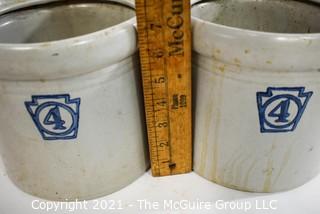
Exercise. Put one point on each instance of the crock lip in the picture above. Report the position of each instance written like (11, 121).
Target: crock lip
(61, 42)
(246, 31)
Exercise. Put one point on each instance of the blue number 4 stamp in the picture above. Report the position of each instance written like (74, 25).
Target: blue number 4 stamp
(55, 116)
(280, 109)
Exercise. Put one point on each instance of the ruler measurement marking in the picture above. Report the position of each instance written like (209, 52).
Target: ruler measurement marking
(168, 107)
(161, 65)
(168, 98)
(151, 73)
(150, 79)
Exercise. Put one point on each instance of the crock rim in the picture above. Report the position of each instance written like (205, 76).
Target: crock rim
(247, 31)
(61, 42)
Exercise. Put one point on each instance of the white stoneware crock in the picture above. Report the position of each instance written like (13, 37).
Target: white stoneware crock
(257, 93)
(70, 122)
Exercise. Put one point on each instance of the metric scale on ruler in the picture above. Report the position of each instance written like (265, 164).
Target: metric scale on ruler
(164, 31)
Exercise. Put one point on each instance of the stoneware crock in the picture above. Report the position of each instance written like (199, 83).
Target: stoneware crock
(70, 113)
(257, 93)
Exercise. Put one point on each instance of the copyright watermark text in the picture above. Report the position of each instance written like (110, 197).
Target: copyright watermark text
(149, 205)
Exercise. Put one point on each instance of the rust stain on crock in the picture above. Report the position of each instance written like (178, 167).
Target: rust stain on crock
(204, 149)
(45, 44)
(217, 126)
(222, 68)
(284, 163)
(269, 171)
(247, 174)
(237, 62)
(268, 176)
(216, 147)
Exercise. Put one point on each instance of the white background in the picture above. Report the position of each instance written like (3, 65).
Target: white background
(191, 187)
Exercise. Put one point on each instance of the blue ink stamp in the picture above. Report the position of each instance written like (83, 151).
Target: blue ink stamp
(55, 116)
(280, 109)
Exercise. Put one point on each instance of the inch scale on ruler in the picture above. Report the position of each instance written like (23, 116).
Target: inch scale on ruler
(164, 31)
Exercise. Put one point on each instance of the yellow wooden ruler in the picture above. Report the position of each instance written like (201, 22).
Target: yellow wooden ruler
(165, 51)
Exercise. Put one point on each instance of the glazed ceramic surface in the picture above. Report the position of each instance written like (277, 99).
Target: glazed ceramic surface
(257, 93)
(71, 117)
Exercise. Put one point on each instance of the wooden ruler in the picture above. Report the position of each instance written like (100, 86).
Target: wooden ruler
(165, 51)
